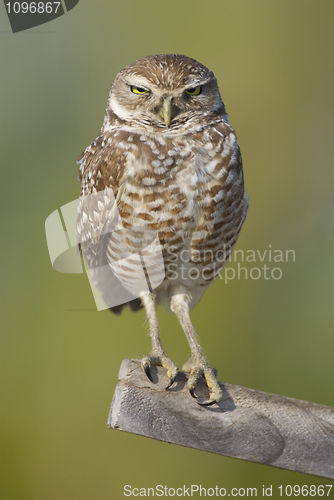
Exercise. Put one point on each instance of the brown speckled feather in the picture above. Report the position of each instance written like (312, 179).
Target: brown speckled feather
(184, 181)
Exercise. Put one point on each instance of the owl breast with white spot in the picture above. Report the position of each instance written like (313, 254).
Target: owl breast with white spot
(173, 163)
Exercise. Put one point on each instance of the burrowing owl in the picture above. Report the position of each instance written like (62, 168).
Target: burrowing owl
(172, 161)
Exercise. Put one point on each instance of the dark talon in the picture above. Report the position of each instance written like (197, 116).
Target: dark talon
(192, 393)
(148, 372)
(171, 382)
(207, 403)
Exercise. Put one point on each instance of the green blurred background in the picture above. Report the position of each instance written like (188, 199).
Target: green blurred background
(60, 357)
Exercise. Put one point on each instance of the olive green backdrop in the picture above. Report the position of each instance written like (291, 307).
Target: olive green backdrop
(60, 357)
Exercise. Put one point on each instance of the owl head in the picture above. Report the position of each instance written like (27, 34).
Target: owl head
(164, 92)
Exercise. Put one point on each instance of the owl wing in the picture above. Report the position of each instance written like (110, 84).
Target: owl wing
(101, 175)
(97, 211)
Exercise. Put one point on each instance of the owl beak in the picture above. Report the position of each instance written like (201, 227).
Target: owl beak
(166, 111)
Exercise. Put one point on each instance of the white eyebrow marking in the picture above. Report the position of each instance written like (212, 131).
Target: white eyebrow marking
(119, 110)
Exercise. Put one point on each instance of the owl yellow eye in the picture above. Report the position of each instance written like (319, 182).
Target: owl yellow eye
(138, 90)
(194, 91)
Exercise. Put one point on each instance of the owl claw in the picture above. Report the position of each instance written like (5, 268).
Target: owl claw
(210, 402)
(148, 372)
(192, 393)
(160, 359)
(171, 382)
(197, 368)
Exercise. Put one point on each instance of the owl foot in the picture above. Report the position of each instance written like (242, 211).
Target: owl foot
(160, 359)
(199, 367)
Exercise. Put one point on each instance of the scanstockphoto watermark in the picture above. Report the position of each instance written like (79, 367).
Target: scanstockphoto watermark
(217, 491)
(256, 264)
(242, 264)
(187, 491)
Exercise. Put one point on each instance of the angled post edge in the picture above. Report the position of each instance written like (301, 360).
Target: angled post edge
(247, 424)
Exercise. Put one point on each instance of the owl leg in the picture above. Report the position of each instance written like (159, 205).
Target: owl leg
(158, 355)
(198, 365)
